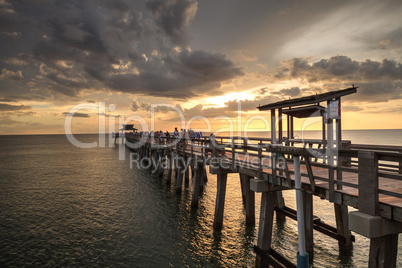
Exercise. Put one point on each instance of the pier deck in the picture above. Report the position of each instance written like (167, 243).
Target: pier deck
(365, 177)
(252, 158)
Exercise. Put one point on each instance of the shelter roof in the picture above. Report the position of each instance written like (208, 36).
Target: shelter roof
(128, 127)
(305, 111)
(313, 99)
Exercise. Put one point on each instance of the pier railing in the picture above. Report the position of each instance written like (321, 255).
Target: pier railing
(372, 163)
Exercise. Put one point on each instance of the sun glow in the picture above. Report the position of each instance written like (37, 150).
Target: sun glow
(219, 101)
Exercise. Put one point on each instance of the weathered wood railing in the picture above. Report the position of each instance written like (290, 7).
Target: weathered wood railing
(259, 154)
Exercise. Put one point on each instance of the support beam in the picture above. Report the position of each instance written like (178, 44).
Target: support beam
(187, 173)
(368, 183)
(279, 203)
(243, 188)
(250, 201)
(302, 255)
(220, 200)
(170, 167)
(265, 226)
(162, 164)
(330, 153)
(179, 176)
(342, 227)
(196, 184)
(383, 251)
(308, 222)
(204, 174)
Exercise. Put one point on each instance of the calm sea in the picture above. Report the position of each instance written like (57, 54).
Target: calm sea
(65, 206)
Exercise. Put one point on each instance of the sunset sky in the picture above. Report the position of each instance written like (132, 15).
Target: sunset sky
(198, 57)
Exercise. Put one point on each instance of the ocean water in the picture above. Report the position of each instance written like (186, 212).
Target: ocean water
(65, 206)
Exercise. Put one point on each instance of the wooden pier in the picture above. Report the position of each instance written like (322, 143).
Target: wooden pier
(365, 177)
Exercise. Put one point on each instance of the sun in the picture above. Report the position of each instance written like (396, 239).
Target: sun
(219, 101)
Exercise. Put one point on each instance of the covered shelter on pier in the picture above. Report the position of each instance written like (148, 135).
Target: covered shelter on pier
(325, 105)
(128, 127)
(328, 107)
(309, 106)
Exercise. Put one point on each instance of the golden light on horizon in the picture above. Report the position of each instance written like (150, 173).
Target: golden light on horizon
(219, 101)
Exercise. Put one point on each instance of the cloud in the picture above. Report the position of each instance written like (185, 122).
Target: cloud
(378, 81)
(8, 107)
(178, 75)
(245, 55)
(83, 115)
(17, 61)
(134, 106)
(65, 48)
(10, 75)
(291, 92)
(339, 67)
(6, 121)
(173, 17)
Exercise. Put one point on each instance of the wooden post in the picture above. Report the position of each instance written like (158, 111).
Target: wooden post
(324, 139)
(233, 154)
(179, 177)
(243, 188)
(187, 173)
(245, 145)
(338, 147)
(196, 183)
(308, 222)
(368, 183)
(292, 129)
(265, 226)
(154, 163)
(162, 163)
(204, 174)
(273, 141)
(220, 200)
(260, 160)
(170, 166)
(383, 251)
(342, 227)
(280, 126)
(341, 211)
(279, 203)
(288, 126)
(250, 201)
(330, 154)
(400, 164)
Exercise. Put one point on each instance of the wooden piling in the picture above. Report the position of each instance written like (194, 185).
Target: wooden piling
(179, 176)
(265, 226)
(279, 203)
(162, 163)
(243, 188)
(342, 227)
(383, 251)
(196, 183)
(250, 201)
(368, 183)
(308, 222)
(170, 167)
(220, 200)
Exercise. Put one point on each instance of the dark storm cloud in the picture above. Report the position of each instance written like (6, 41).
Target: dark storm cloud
(340, 67)
(378, 81)
(173, 17)
(125, 46)
(178, 75)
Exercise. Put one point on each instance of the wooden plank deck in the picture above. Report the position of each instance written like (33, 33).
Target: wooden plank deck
(390, 207)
